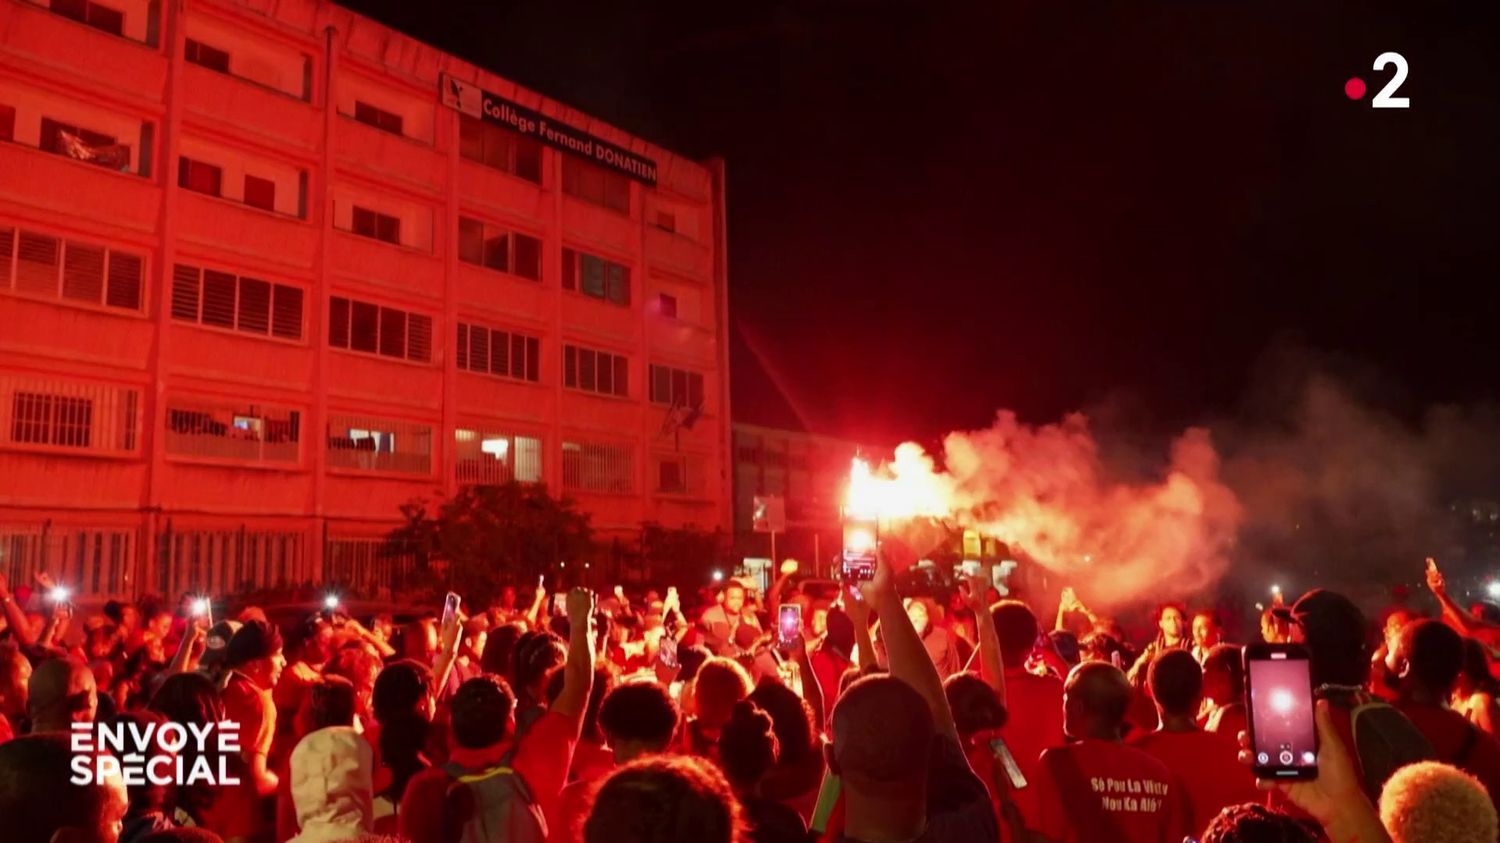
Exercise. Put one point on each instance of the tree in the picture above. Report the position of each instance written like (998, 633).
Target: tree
(485, 536)
(681, 555)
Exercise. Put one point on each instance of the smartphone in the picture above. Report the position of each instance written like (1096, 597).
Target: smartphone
(1283, 735)
(861, 538)
(450, 609)
(559, 604)
(666, 650)
(788, 625)
(1007, 762)
(203, 609)
(829, 791)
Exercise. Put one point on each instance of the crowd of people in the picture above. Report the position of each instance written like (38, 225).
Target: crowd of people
(637, 718)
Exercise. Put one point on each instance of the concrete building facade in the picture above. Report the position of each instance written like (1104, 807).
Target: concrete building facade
(269, 269)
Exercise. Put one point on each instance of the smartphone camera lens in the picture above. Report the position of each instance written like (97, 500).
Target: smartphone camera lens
(1286, 756)
(1263, 759)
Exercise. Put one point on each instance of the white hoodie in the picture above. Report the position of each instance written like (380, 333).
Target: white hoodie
(331, 786)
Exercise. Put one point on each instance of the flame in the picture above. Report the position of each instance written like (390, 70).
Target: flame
(908, 488)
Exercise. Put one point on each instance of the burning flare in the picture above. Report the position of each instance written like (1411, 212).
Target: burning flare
(1046, 493)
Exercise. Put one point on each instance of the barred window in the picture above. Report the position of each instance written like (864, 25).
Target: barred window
(483, 244)
(375, 444)
(598, 467)
(206, 428)
(596, 371)
(94, 561)
(596, 277)
(488, 457)
(38, 264)
(238, 303)
(676, 387)
(77, 416)
(226, 561)
(368, 223)
(496, 352)
(375, 329)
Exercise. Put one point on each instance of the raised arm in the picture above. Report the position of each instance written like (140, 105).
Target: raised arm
(578, 673)
(788, 569)
(1453, 614)
(991, 666)
(908, 659)
(20, 627)
(534, 614)
(859, 614)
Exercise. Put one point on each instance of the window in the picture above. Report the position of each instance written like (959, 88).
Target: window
(484, 457)
(91, 13)
(496, 352)
(597, 467)
(249, 305)
(379, 444)
(676, 387)
(229, 560)
(361, 326)
(83, 145)
(500, 148)
(210, 57)
(7, 122)
(78, 416)
(368, 223)
(39, 264)
(260, 193)
(224, 430)
(666, 305)
(671, 475)
(487, 245)
(666, 220)
(199, 176)
(594, 276)
(593, 183)
(92, 560)
(377, 117)
(596, 371)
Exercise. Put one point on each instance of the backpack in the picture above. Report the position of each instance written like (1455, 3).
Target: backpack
(1384, 740)
(490, 806)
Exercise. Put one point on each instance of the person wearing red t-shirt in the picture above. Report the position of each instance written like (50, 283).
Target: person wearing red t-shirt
(1224, 692)
(483, 724)
(1428, 657)
(637, 718)
(255, 661)
(1034, 703)
(1099, 789)
(1205, 764)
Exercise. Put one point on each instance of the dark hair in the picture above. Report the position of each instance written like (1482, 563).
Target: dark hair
(1477, 668)
(882, 733)
(115, 611)
(720, 683)
(692, 658)
(500, 649)
(189, 698)
(354, 664)
(1435, 653)
(34, 800)
(791, 717)
(1254, 823)
(639, 711)
(1176, 681)
(481, 711)
(1017, 628)
(665, 799)
(535, 657)
(331, 703)
(853, 674)
(404, 727)
(748, 748)
(1066, 644)
(976, 707)
(1227, 658)
(1100, 647)
(400, 689)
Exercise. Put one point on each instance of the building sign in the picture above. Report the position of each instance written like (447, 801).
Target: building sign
(470, 99)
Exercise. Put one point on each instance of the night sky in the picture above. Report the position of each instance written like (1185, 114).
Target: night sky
(938, 209)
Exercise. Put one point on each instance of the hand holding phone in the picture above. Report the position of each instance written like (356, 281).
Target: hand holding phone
(450, 609)
(666, 651)
(788, 626)
(1282, 730)
(1007, 762)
